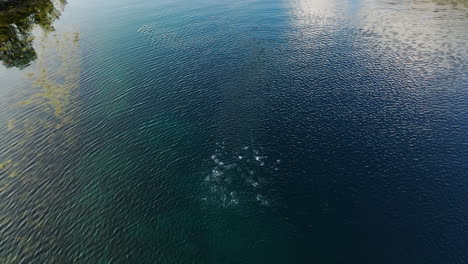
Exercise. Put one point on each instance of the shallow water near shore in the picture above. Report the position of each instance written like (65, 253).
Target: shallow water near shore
(234, 131)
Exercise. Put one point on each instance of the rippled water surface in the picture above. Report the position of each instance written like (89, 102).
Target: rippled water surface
(234, 131)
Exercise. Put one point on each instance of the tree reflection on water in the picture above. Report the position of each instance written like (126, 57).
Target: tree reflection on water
(16, 25)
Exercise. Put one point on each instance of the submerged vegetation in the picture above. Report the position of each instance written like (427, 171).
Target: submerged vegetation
(16, 25)
(451, 2)
(27, 174)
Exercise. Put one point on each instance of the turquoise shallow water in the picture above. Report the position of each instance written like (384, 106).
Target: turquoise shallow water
(234, 131)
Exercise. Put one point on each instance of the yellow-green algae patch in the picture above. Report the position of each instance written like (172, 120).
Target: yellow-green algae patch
(4, 165)
(43, 133)
(11, 124)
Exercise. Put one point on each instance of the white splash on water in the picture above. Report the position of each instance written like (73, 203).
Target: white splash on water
(246, 183)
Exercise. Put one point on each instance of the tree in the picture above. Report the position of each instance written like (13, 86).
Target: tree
(16, 24)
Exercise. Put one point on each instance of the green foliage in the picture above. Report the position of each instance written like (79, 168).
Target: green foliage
(16, 24)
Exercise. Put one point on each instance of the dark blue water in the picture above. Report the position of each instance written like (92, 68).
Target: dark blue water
(234, 131)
